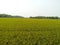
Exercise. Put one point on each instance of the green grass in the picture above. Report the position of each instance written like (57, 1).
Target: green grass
(21, 31)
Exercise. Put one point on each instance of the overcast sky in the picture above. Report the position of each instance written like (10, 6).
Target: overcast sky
(30, 7)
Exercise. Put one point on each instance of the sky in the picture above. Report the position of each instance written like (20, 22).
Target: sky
(28, 8)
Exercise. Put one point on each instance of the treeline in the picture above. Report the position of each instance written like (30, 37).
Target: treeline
(9, 16)
(43, 17)
(37, 17)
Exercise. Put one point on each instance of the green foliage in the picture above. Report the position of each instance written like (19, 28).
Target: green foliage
(19, 31)
(9, 16)
(5, 15)
(43, 17)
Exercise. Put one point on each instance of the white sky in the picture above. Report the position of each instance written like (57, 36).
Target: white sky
(30, 7)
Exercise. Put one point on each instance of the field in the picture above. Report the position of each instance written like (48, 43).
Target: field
(21, 31)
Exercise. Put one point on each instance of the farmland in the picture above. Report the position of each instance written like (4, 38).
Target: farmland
(21, 31)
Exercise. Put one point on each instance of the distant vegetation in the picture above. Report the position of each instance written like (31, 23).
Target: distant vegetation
(37, 17)
(10, 16)
(43, 17)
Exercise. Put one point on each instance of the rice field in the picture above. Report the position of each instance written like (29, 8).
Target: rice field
(25, 31)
